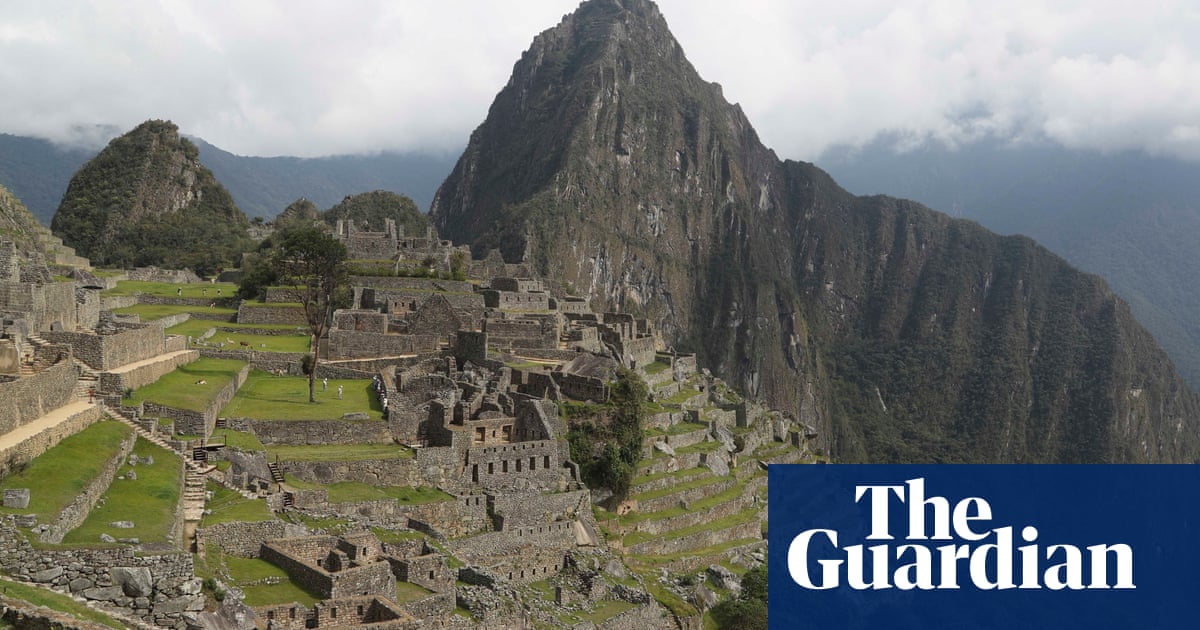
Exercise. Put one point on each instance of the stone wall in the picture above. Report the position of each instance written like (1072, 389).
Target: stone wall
(521, 333)
(349, 344)
(419, 284)
(382, 472)
(19, 454)
(660, 546)
(689, 496)
(315, 431)
(302, 559)
(191, 422)
(155, 587)
(645, 616)
(113, 382)
(523, 510)
(108, 351)
(291, 315)
(512, 301)
(44, 305)
(244, 539)
(77, 511)
(429, 571)
(520, 465)
(27, 399)
(435, 608)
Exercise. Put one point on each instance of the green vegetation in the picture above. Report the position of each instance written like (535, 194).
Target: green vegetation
(150, 312)
(354, 491)
(122, 208)
(228, 506)
(267, 397)
(172, 289)
(149, 501)
(657, 367)
(182, 388)
(608, 452)
(408, 592)
(236, 439)
(749, 609)
(56, 601)
(245, 572)
(337, 452)
(372, 208)
(260, 343)
(57, 476)
(196, 327)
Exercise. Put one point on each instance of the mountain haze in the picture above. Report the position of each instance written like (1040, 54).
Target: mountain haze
(899, 333)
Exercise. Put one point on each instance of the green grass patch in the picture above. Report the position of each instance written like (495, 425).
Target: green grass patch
(56, 601)
(737, 518)
(181, 388)
(607, 609)
(148, 501)
(355, 491)
(673, 602)
(408, 592)
(233, 339)
(685, 427)
(57, 476)
(228, 506)
(150, 312)
(267, 397)
(657, 367)
(678, 474)
(680, 397)
(172, 289)
(236, 439)
(396, 536)
(703, 504)
(336, 452)
(698, 482)
(699, 447)
(197, 327)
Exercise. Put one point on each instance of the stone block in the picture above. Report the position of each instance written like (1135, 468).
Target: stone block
(121, 524)
(80, 584)
(26, 520)
(103, 593)
(49, 575)
(16, 498)
(134, 581)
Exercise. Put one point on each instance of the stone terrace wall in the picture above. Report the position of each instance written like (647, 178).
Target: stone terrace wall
(419, 284)
(144, 375)
(293, 556)
(382, 472)
(316, 431)
(659, 546)
(292, 315)
(166, 589)
(105, 352)
(74, 514)
(27, 399)
(43, 304)
(23, 453)
(523, 510)
(349, 344)
(434, 607)
(244, 539)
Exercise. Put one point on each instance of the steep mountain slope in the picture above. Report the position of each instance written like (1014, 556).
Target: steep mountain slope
(37, 171)
(1129, 217)
(147, 200)
(901, 334)
(17, 225)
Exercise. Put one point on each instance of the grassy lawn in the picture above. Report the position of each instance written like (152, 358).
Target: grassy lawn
(148, 501)
(56, 601)
(58, 475)
(236, 439)
(355, 491)
(179, 389)
(409, 592)
(657, 367)
(229, 335)
(607, 609)
(227, 506)
(246, 570)
(171, 289)
(266, 397)
(196, 327)
(158, 311)
(685, 394)
(336, 452)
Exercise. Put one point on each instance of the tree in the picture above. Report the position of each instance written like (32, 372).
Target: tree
(313, 262)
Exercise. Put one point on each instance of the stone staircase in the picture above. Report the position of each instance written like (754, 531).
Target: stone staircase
(276, 472)
(29, 368)
(193, 494)
(88, 382)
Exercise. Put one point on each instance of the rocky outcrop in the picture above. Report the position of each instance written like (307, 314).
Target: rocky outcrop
(900, 334)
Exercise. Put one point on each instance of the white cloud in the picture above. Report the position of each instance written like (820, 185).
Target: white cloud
(311, 78)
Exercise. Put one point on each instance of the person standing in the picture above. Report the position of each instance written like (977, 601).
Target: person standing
(324, 384)
(339, 392)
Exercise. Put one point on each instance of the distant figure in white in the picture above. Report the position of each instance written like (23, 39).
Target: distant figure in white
(339, 392)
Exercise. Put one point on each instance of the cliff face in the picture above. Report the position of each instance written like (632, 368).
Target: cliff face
(899, 333)
(146, 199)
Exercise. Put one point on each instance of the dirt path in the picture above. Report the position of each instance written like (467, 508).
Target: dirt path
(24, 432)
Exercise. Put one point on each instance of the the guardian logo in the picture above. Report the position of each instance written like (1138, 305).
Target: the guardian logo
(949, 546)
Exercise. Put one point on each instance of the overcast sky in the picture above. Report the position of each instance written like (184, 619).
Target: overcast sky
(290, 77)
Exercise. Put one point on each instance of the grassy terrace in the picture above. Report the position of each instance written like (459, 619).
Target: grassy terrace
(196, 327)
(180, 389)
(158, 311)
(148, 501)
(739, 518)
(354, 491)
(55, 601)
(683, 395)
(56, 477)
(227, 506)
(236, 439)
(228, 333)
(266, 397)
(408, 592)
(337, 452)
(172, 289)
(678, 474)
(699, 482)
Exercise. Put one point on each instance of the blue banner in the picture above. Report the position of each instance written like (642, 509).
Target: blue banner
(984, 546)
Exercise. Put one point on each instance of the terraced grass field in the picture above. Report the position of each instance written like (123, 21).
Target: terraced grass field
(148, 501)
(267, 397)
(182, 388)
